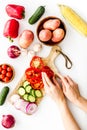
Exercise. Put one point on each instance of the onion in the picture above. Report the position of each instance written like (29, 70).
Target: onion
(14, 98)
(31, 108)
(18, 104)
(8, 121)
(23, 106)
(13, 51)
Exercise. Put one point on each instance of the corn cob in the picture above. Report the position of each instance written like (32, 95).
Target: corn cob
(74, 19)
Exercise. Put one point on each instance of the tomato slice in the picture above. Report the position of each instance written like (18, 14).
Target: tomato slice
(36, 62)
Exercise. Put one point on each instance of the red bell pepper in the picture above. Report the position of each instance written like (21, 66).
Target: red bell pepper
(11, 29)
(15, 11)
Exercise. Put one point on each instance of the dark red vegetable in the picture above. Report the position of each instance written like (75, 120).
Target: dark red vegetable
(8, 121)
(11, 29)
(15, 11)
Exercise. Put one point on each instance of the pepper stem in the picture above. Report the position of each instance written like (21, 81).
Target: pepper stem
(10, 39)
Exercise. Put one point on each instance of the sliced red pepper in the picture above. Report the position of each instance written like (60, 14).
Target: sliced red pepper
(36, 62)
(48, 71)
(11, 29)
(15, 11)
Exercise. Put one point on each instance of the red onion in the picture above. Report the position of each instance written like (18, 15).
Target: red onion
(13, 51)
(31, 108)
(8, 121)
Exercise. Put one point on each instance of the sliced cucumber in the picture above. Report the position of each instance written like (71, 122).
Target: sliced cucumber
(21, 91)
(31, 98)
(32, 92)
(25, 83)
(25, 96)
(38, 93)
(28, 88)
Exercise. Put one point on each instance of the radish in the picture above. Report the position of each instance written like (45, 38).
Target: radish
(31, 108)
(8, 121)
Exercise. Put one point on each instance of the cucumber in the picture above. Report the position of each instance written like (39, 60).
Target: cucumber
(38, 93)
(25, 83)
(37, 14)
(21, 91)
(28, 88)
(25, 97)
(3, 94)
(31, 98)
(32, 92)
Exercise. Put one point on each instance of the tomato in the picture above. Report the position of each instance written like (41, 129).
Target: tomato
(6, 79)
(9, 68)
(3, 71)
(4, 66)
(9, 74)
(36, 62)
(2, 76)
(48, 71)
(0, 68)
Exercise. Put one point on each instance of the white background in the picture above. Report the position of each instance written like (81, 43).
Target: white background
(74, 45)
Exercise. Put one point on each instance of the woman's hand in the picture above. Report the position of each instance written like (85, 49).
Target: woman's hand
(53, 89)
(70, 89)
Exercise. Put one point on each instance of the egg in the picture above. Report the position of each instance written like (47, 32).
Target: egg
(45, 35)
(58, 35)
(51, 24)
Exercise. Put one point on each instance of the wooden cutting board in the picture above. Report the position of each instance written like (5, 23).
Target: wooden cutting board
(48, 61)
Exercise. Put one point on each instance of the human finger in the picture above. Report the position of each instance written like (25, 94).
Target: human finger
(56, 82)
(70, 81)
(48, 81)
(43, 79)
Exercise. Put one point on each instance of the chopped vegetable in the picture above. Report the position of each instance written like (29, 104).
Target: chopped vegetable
(11, 29)
(21, 91)
(15, 11)
(3, 94)
(25, 83)
(31, 98)
(8, 121)
(38, 93)
(36, 62)
(13, 51)
(14, 98)
(31, 108)
(28, 88)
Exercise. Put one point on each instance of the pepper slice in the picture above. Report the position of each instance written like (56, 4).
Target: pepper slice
(36, 62)
(15, 11)
(11, 29)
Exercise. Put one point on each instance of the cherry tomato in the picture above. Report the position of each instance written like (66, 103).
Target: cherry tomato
(36, 62)
(4, 66)
(2, 76)
(0, 68)
(9, 68)
(9, 74)
(6, 79)
(3, 71)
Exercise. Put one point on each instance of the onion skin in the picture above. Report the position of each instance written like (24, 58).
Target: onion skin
(13, 51)
(26, 38)
(8, 121)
